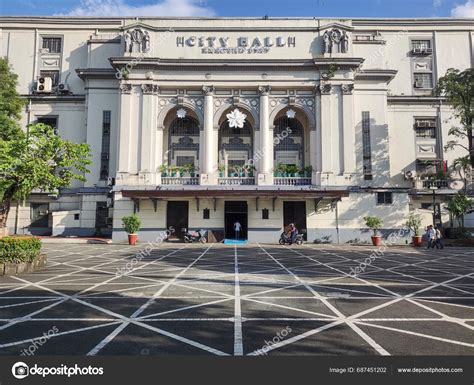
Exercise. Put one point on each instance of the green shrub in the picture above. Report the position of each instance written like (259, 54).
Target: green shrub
(373, 223)
(131, 224)
(19, 249)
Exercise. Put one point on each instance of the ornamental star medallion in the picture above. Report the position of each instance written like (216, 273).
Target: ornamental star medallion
(236, 119)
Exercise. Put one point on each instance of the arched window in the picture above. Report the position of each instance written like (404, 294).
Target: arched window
(289, 147)
(237, 144)
(183, 141)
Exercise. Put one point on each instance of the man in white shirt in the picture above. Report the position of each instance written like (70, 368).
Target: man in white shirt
(431, 235)
(237, 228)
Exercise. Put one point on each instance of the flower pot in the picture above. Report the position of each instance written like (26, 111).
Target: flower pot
(417, 239)
(132, 239)
(221, 174)
(376, 240)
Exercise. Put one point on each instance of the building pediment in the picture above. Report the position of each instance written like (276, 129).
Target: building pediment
(344, 27)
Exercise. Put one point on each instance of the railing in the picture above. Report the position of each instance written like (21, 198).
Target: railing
(179, 180)
(433, 183)
(237, 180)
(292, 181)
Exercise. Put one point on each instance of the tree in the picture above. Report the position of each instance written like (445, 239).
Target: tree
(40, 160)
(11, 104)
(458, 88)
(459, 205)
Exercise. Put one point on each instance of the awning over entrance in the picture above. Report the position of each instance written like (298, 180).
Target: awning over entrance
(234, 191)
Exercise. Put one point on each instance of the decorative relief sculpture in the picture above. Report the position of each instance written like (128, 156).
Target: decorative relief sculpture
(347, 89)
(137, 40)
(324, 89)
(126, 88)
(336, 41)
(264, 90)
(236, 119)
(149, 89)
(207, 90)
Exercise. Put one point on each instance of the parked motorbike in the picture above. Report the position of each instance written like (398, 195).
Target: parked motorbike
(285, 239)
(195, 236)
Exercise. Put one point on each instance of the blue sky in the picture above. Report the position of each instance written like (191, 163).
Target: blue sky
(317, 8)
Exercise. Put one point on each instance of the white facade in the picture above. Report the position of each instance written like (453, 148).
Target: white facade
(356, 94)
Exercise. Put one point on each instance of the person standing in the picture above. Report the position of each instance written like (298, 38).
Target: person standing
(439, 242)
(237, 228)
(293, 233)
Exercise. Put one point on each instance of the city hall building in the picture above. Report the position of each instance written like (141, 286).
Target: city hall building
(202, 122)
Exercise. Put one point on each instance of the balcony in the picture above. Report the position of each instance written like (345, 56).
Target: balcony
(236, 180)
(179, 180)
(292, 181)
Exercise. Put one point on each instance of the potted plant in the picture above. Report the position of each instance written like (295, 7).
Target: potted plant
(163, 169)
(308, 170)
(173, 170)
(291, 170)
(192, 170)
(414, 224)
(279, 170)
(221, 169)
(375, 224)
(131, 225)
(250, 170)
(181, 170)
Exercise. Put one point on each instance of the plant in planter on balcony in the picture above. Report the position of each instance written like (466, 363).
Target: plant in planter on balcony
(279, 170)
(414, 224)
(191, 169)
(291, 170)
(250, 169)
(163, 169)
(221, 169)
(374, 223)
(308, 170)
(131, 225)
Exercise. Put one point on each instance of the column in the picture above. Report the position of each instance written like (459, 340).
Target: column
(265, 172)
(327, 173)
(208, 174)
(348, 129)
(148, 122)
(124, 132)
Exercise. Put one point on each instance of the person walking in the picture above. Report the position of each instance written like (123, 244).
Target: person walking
(431, 236)
(293, 233)
(237, 228)
(439, 242)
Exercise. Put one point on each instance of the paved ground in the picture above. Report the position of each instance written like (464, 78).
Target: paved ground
(234, 300)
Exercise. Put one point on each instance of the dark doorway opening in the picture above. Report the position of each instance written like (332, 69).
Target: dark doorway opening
(295, 212)
(235, 211)
(177, 218)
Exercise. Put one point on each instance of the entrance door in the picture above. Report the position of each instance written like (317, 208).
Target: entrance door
(295, 212)
(177, 217)
(235, 211)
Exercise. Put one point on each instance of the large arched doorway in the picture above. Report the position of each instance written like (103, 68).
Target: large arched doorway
(181, 139)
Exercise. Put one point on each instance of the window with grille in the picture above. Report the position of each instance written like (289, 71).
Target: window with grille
(366, 148)
(206, 214)
(51, 121)
(183, 141)
(105, 152)
(425, 128)
(289, 145)
(384, 198)
(265, 214)
(420, 44)
(423, 80)
(237, 143)
(52, 44)
(54, 75)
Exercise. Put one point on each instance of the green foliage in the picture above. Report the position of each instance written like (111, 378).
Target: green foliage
(11, 104)
(458, 88)
(460, 233)
(459, 205)
(373, 223)
(40, 160)
(414, 224)
(131, 224)
(19, 249)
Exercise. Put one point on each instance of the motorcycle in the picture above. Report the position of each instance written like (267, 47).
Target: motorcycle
(285, 239)
(195, 236)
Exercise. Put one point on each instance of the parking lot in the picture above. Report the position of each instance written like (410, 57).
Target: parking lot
(241, 300)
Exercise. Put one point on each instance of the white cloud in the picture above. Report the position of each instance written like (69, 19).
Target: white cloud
(158, 8)
(464, 10)
(437, 3)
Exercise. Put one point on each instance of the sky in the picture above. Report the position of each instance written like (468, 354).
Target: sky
(233, 8)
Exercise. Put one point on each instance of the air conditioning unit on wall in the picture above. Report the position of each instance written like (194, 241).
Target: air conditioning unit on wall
(44, 85)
